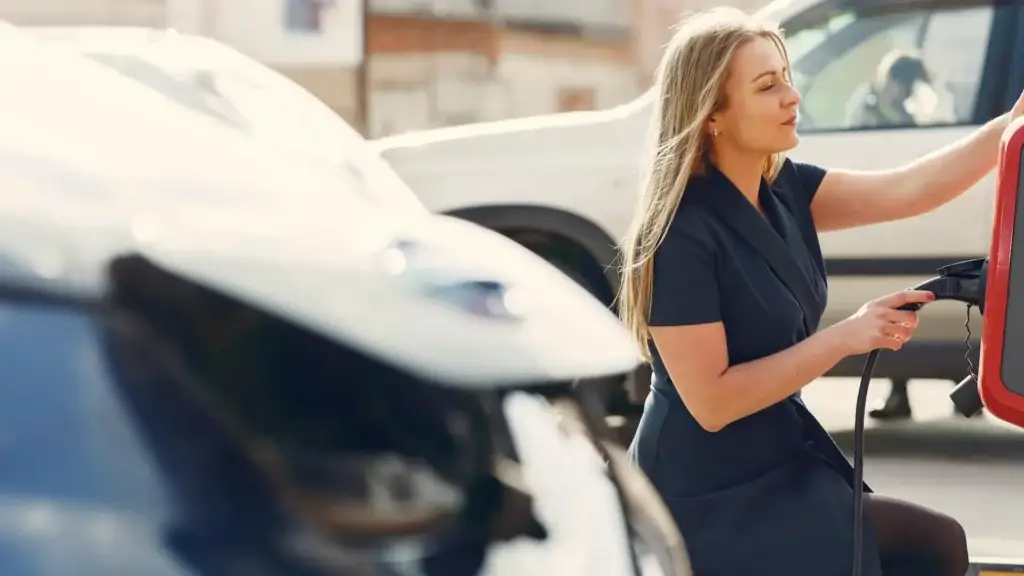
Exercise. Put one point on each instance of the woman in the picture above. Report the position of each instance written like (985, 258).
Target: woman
(724, 286)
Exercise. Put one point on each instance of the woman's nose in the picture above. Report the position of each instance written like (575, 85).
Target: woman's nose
(792, 97)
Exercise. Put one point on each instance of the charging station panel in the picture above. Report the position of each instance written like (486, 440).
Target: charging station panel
(1001, 375)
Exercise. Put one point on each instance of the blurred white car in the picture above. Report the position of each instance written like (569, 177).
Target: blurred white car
(96, 166)
(216, 80)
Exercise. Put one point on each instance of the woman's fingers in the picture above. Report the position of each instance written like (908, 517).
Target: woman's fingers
(902, 317)
(899, 332)
(897, 299)
(893, 335)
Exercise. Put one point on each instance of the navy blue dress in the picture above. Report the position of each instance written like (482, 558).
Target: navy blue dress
(770, 493)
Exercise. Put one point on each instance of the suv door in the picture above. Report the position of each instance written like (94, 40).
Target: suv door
(839, 53)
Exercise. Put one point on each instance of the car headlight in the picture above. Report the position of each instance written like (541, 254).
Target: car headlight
(657, 541)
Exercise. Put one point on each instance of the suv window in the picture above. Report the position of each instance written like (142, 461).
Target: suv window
(886, 68)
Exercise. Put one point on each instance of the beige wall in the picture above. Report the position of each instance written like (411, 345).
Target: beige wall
(654, 19)
(335, 85)
(99, 12)
(418, 91)
(257, 28)
(429, 73)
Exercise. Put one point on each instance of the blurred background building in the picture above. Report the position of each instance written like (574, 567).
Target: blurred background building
(443, 62)
(421, 63)
(652, 27)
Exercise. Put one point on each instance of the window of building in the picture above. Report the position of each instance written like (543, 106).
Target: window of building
(304, 16)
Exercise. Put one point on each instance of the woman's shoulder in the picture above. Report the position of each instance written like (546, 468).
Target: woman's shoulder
(799, 179)
(800, 171)
(692, 223)
(695, 204)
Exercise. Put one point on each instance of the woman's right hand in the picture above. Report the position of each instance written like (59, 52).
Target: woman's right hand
(879, 323)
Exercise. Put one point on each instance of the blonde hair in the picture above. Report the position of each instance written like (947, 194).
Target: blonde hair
(688, 88)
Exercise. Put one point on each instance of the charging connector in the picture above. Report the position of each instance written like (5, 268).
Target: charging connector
(964, 282)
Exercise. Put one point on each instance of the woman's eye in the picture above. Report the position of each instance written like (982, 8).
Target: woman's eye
(767, 87)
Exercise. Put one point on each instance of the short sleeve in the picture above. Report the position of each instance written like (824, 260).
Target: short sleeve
(808, 177)
(685, 288)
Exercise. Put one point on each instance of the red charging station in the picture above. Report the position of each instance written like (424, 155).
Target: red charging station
(1001, 374)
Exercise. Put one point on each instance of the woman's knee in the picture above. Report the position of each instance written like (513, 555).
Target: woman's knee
(949, 537)
(958, 545)
(904, 528)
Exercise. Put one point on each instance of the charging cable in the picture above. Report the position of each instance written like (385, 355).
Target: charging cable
(962, 281)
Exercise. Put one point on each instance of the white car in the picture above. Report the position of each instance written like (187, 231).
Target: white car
(565, 185)
(129, 220)
(218, 81)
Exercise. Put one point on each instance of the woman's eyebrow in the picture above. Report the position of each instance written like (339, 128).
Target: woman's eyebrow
(769, 73)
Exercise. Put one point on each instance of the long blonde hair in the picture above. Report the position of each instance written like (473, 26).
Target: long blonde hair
(688, 89)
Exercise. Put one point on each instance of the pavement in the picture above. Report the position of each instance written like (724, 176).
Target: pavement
(934, 432)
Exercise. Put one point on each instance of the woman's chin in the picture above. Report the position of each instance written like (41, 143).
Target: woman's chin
(789, 142)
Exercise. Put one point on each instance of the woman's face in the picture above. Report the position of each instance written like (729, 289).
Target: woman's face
(760, 112)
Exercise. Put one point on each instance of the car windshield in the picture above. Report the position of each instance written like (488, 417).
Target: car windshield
(215, 80)
(808, 39)
(57, 399)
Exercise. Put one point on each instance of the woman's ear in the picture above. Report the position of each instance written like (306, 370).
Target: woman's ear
(712, 128)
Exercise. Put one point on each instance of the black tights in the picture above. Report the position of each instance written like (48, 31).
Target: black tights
(916, 540)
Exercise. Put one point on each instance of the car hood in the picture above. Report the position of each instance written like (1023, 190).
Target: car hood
(95, 166)
(446, 299)
(206, 76)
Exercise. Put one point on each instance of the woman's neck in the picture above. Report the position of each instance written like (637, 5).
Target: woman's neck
(743, 171)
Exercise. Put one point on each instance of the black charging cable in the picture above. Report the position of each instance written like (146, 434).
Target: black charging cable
(858, 453)
(858, 445)
(962, 281)
(858, 461)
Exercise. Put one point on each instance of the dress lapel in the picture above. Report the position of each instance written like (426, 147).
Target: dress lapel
(781, 249)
